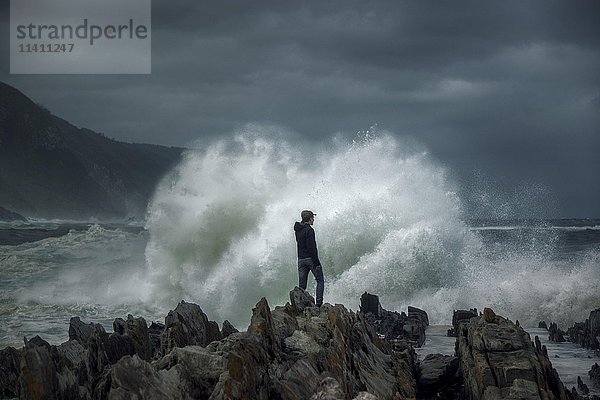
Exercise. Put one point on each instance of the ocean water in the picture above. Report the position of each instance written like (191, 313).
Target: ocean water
(219, 233)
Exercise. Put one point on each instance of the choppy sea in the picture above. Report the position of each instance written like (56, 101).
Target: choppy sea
(218, 232)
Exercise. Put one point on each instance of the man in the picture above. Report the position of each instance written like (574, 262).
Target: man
(308, 257)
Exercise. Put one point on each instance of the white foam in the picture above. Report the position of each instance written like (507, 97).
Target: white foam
(389, 222)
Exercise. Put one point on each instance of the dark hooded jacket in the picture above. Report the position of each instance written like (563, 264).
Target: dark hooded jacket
(307, 245)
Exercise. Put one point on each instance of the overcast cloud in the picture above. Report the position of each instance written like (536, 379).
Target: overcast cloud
(505, 94)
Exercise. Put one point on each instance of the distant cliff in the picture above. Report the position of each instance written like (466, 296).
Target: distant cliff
(50, 168)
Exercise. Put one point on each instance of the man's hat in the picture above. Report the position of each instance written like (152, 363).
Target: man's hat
(306, 215)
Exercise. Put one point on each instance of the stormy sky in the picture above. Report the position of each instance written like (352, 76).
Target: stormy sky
(504, 94)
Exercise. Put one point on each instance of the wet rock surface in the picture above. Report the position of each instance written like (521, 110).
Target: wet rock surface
(188, 325)
(594, 375)
(296, 351)
(438, 377)
(555, 334)
(457, 317)
(81, 331)
(395, 326)
(9, 372)
(586, 333)
(499, 360)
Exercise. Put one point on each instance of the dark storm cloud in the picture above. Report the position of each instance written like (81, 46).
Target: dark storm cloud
(505, 90)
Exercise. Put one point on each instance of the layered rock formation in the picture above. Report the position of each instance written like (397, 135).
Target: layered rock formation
(586, 333)
(499, 361)
(399, 328)
(594, 375)
(457, 317)
(555, 334)
(296, 351)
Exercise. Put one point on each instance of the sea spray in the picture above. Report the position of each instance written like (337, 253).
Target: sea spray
(220, 234)
(220, 227)
(389, 222)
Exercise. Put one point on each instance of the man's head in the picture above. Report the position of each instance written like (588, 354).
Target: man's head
(308, 216)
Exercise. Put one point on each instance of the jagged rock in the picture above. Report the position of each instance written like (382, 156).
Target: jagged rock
(391, 324)
(404, 363)
(155, 332)
(51, 371)
(328, 339)
(228, 329)
(555, 334)
(594, 375)
(356, 343)
(119, 326)
(438, 373)
(329, 389)
(69, 358)
(395, 326)
(369, 303)
(574, 393)
(583, 388)
(146, 340)
(35, 341)
(105, 350)
(457, 317)
(10, 362)
(498, 360)
(286, 354)
(198, 369)
(542, 325)
(586, 333)
(300, 345)
(134, 378)
(138, 330)
(521, 389)
(301, 299)
(261, 326)
(249, 358)
(416, 324)
(81, 331)
(38, 378)
(188, 325)
(279, 356)
(284, 325)
(490, 316)
(419, 315)
(541, 348)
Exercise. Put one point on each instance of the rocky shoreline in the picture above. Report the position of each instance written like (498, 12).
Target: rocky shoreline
(296, 351)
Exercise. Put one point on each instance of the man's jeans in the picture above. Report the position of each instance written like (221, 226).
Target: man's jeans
(305, 265)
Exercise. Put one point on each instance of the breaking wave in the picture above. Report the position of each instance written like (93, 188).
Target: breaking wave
(389, 222)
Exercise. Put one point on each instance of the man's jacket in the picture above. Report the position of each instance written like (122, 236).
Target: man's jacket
(307, 245)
